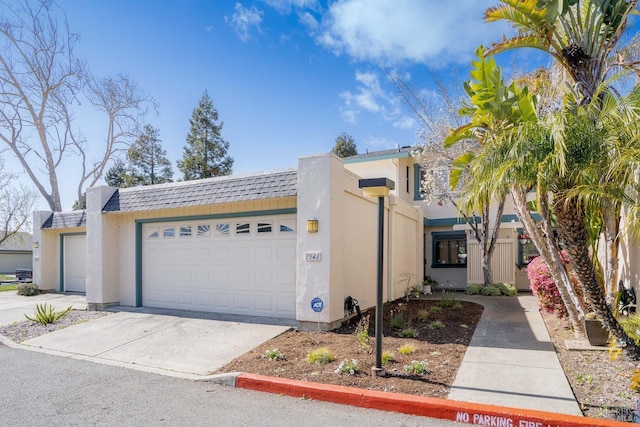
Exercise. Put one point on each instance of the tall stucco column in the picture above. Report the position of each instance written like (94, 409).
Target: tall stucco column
(319, 255)
(44, 254)
(102, 251)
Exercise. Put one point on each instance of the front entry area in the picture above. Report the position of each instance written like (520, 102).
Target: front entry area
(243, 265)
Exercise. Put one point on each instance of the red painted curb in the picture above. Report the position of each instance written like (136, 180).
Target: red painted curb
(471, 413)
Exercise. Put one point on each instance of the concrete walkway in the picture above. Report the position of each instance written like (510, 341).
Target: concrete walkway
(177, 343)
(511, 360)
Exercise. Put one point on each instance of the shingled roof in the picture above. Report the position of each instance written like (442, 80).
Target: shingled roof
(225, 189)
(66, 219)
(19, 242)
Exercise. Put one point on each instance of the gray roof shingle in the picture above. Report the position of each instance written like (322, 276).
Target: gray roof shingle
(66, 219)
(225, 189)
(19, 242)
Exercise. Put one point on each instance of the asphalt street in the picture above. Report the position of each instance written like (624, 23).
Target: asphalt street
(37, 388)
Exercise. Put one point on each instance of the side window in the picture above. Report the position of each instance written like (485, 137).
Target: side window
(408, 179)
(526, 250)
(169, 232)
(449, 249)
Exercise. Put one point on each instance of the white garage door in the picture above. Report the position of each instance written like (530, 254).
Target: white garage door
(239, 266)
(75, 263)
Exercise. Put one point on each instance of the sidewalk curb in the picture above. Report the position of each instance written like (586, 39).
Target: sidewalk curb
(470, 413)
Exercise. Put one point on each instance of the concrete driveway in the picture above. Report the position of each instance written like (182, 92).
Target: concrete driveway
(170, 342)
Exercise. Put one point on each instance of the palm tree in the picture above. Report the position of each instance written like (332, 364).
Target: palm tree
(582, 36)
(504, 119)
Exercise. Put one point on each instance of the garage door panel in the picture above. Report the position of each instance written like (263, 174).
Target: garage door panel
(242, 302)
(216, 269)
(186, 298)
(286, 252)
(202, 254)
(203, 300)
(222, 302)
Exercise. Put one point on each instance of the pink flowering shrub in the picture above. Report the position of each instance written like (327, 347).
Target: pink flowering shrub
(543, 286)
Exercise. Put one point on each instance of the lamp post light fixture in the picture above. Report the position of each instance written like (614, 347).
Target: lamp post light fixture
(378, 187)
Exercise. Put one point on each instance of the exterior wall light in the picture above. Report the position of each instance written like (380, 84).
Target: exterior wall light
(312, 225)
(35, 244)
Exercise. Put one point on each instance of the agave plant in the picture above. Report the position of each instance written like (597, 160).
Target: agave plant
(46, 314)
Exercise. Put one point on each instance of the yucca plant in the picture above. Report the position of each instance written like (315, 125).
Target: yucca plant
(46, 314)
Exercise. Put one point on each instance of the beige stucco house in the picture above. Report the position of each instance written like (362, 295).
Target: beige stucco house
(236, 244)
(240, 244)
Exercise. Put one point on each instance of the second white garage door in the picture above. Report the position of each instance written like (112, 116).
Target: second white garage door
(75, 262)
(238, 266)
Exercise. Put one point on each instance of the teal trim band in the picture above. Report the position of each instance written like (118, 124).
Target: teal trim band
(440, 222)
(512, 217)
(62, 236)
(373, 158)
(138, 251)
(140, 222)
(416, 182)
(219, 216)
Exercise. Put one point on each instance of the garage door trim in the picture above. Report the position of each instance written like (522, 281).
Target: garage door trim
(140, 222)
(62, 236)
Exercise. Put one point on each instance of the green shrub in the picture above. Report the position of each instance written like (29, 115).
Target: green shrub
(409, 333)
(435, 309)
(387, 357)
(347, 367)
(474, 288)
(321, 356)
(417, 368)
(507, 289)
(406, 349)
(274, 354)
(490, 291)
(448, 300)
(397, 321)
(423, 315)
(28, 289)
(46, 314)
(436, 324)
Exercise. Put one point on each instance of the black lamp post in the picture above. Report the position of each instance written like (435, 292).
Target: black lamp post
(378, 187)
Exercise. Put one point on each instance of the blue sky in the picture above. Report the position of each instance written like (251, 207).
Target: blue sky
(287, 76)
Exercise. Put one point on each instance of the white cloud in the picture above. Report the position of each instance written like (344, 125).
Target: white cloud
(424, 31)
(244, 20)
(309, 21)
(286, 6)
(372, 98)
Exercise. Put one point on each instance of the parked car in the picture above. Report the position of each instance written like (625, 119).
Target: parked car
(24, 275)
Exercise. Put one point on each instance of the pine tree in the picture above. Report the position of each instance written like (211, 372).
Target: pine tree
(146, 163)
(205, 154)
(345, 146)
(118, 175)
(148, 160)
